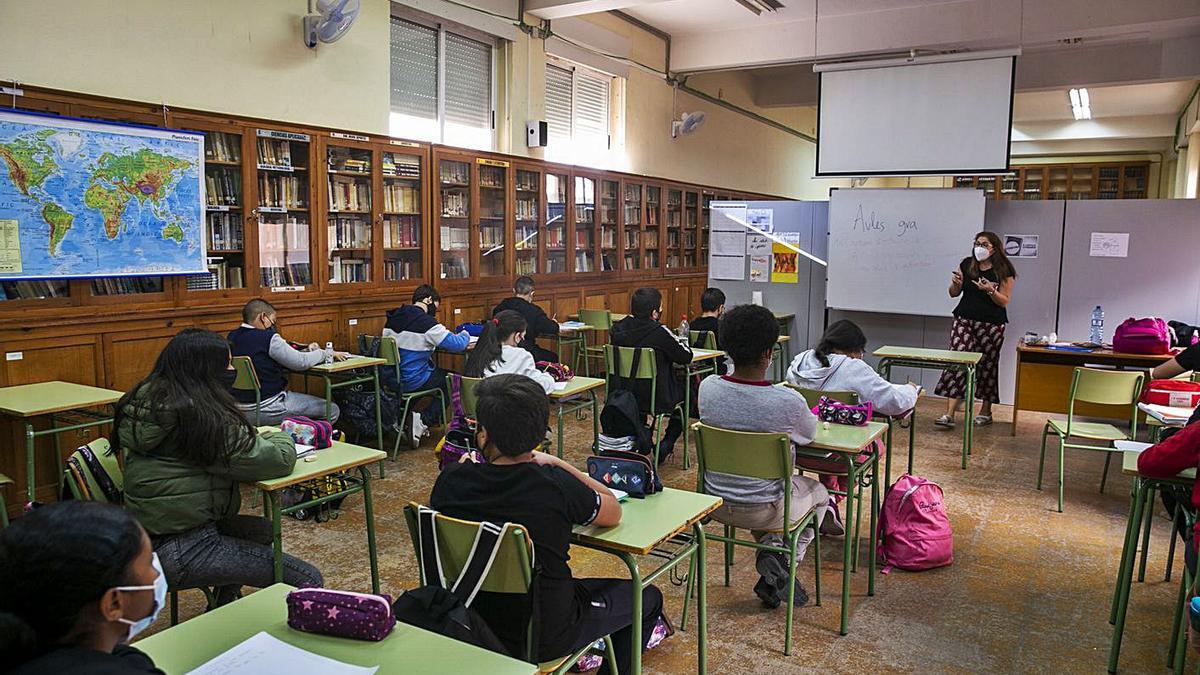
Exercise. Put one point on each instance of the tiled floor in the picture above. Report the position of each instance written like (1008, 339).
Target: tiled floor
(1029, 589)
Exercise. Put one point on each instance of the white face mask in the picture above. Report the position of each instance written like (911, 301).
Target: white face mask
(160, 599)
(982, 253)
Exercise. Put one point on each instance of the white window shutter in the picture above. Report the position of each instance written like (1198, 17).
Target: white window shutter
(414, 54)
(468, 82)
(558, 106)
(591, 110)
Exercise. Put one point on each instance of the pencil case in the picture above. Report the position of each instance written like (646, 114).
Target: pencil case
(358, 616)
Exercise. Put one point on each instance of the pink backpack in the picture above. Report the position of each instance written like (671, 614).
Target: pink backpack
(914, 532)
(1150, 335)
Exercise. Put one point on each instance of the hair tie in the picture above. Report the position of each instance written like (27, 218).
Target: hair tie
(496, 321)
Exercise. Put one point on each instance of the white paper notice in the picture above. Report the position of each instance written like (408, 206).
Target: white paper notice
(1021, 245)
(1109, 245)
(761, 220)
(757, 244)
(728, 218)
(562, 386)
(731, 267)
(263, 654)
(792, 238)
(760, 268)
(728, 243)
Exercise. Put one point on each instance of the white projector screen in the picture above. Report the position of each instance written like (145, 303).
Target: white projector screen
(893, 250)
(939, 118)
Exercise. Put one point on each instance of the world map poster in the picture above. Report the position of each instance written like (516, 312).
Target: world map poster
(88, 199)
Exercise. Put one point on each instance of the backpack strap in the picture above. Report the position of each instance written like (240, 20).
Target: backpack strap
(430, 558)
(456, 405)
(479, 562)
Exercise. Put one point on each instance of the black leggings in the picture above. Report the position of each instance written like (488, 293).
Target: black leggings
(608, 610)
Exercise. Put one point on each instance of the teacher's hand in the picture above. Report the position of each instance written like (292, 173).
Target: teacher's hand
(985, 286)
(956, 278)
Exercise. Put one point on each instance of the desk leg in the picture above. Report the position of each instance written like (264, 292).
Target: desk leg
(887, 471)
(595, 420)
(1148, 517)
(850, 541)
(272, 497)
(328, 397)
(369, 508)
(871, 555)
(969, 425)
(378, 415)
(581, 350)
(912, 440)
(559, 447)
(635, 661)
(1125, 575)
(30, 478)
(701, 601)
(687, 416)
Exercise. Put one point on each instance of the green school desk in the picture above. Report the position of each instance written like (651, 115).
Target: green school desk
(575, 336)
(337, 375)
(408, 650)
(645, 525)
(579, 393)
(846, 442)
(338, 459)
(1140, 500)
(934, 359)
(27, 401)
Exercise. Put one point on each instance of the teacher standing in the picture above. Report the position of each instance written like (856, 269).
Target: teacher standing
(985, 282)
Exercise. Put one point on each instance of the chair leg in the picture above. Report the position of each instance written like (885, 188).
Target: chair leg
(1149, 521)
(730, 533)
(1171, 550)
(687, 591)
(791, 591)
(1062, 450)
(857, 491)
(816, 544)
(174, 607)
(610, 656)
(1104, 476)
(1042, 456)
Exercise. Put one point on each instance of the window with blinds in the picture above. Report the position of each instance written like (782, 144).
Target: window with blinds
(577, 113)
(441, 85)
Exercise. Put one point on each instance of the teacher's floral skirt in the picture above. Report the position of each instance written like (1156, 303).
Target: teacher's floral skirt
(969, 335)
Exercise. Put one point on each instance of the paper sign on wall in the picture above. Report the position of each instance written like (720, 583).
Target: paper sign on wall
(761, 220)
(784, 270)
(1109, 245)
(731, 267)
(728, 243)
(1021, 245)
(760, 268)
(757, 244)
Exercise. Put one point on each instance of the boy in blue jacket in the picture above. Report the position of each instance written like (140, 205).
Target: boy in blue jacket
(417, 334)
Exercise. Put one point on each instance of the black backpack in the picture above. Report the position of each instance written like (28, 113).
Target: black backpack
(621, 415)
(447, 611)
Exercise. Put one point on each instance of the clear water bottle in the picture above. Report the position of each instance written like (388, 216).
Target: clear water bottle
(682, 330)
(328, 352)
(1097, 335)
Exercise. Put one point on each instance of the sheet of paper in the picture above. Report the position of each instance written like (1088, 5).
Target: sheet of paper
(1109, 245)
(731, 267)
(792, 238)
(761, 220)
(757, 244)
(728, 218)
(263, 654)
(760, 269)
(302, 449)
(559, 386)
(1131, 446)
(1021, 245)
(572, 324)
(728, 243)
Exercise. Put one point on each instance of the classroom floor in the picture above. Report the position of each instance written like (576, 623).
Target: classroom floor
(1029, 590)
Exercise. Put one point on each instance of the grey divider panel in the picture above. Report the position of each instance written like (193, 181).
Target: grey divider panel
(1034, 300)
(1160, 277)
(816, 293)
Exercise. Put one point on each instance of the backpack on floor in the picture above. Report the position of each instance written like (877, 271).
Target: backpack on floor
(914, 530)
(621, 415)
(458, 445)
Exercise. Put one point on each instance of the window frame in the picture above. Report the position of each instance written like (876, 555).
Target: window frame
(613, 98)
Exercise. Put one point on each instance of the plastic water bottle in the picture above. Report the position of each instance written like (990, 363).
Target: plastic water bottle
(328, 352)
(683, 329)
(1097, 335)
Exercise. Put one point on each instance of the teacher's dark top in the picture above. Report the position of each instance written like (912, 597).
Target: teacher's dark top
(974, 304)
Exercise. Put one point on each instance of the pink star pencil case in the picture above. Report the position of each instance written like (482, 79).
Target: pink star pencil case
(360, 616)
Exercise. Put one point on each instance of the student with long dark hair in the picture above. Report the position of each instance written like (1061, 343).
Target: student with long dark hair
(77, 580)
(187, 450)
(497, 351)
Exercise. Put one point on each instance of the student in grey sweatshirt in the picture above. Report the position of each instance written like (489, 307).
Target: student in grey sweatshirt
(836, 365)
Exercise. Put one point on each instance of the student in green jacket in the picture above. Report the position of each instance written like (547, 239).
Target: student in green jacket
(187, 449)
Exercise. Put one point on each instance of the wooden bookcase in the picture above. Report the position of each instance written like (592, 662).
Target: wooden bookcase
(1110, 180)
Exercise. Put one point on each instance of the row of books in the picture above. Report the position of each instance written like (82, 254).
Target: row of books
(525, 266)
(225, 231)
(349, 161)
(455, 238)
(651, 260)
(652, 215)
(222, 186)
(584, 213)
(34, 290)
(583, 238)
(349, 232)
(527, 181)
(401, 197)
(689, 239)
(583, 262)
(491, 237)
(282, 191)
(274, 152)
(606, 262)
(294, 274)
(633, 214)
(492, 265)
(556, 237)
(491, 177)
(349, 194)
(349, 270)
(401, 233)
(126, 285)
(674, 219)
(526, 238)
(556, 264)
(399, 270)
(458, 173)
(527, 208)
(454, 204)
(455, 268)
(631, 261)
(401, 166)
(608, 237)
(608, 215)
(631, 238)
(220, 275)
(289, 236)
(222, 147)
(633, 193)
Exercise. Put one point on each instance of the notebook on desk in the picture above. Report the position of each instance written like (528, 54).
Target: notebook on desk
(1174, 417)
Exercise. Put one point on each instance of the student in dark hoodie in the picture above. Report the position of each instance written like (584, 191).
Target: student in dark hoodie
(535, 319)
(417, 333)
(642, 329)
(712, 306)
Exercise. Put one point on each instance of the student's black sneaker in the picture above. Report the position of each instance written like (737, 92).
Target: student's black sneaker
(800, 598)
(768, 594)
(773, 568)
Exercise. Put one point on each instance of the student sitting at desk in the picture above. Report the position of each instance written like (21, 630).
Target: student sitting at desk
(746, 401)
(188, 448)
(642, 329)
(712, 306)
(535, 317)
(79, 581)
(548, 496)
(418, 334)
(497, 351)
(1166, 460)
(258, 338)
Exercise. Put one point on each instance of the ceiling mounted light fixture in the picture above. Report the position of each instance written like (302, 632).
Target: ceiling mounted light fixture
(1081, 104)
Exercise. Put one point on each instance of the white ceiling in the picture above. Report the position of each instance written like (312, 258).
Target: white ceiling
(1159, 98)
(699, 16)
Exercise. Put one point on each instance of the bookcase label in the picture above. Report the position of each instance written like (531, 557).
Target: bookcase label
(351, 137)
(286, 289)
(490, 162)
(14, 356)
(405, 144)
(272, 209)
(285, 135)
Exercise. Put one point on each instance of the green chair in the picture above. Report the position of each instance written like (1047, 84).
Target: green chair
(769, 457)
(647, 370)
(467, 395)
(601, 320)
(703, 339)
(391, 354)
(85, 485)
(512, 572)
(5, 481)
(247, 380)
(1100, 387)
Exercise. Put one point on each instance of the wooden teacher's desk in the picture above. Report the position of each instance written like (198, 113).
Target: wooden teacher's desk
(1044, 379)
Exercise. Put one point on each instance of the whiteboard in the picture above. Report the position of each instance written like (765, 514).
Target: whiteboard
(893, 250)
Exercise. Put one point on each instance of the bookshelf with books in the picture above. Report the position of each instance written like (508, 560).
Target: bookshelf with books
(557, 232)
(610, 206)
(284, 211)
(492, 215)
(631, 226)
(349, 221)
(402, 208)
(1107, 180)
(224, 213)
(585, 240)
(706, 199)
(652, 236)
(453, 213)
(674, 233)
(691, 228)
(527, 213)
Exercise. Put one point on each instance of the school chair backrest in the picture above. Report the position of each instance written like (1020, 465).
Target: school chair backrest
(744, 453)
(1106, 387)
(92, 473)
(467, 395)
(709, 340)
(619, 362)
(245, 379)
(600, 319)
(811, 396)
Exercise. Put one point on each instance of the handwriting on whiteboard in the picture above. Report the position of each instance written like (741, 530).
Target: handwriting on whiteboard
(872, 223)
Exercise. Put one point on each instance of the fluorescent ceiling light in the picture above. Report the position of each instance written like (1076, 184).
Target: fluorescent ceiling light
(1081, 104)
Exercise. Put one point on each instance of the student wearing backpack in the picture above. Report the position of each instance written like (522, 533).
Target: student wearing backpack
(188, 449)
(535, 318)
(273, 358)
(78, 580)
(745, 400)
(497, 352)
(642, 329)
(548, 496)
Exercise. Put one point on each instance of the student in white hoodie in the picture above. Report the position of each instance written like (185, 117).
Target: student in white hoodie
(497, 351)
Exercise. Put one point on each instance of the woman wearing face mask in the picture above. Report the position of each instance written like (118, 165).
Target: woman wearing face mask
(985, 282)
(187, 451)
(77, 581)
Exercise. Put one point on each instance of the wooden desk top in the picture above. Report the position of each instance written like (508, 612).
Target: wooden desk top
(1099, 355)
(43, 398)
(646, 523)
(340, 457)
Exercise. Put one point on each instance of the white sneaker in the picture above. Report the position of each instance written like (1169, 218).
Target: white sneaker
(944, 422)
(417, 429)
